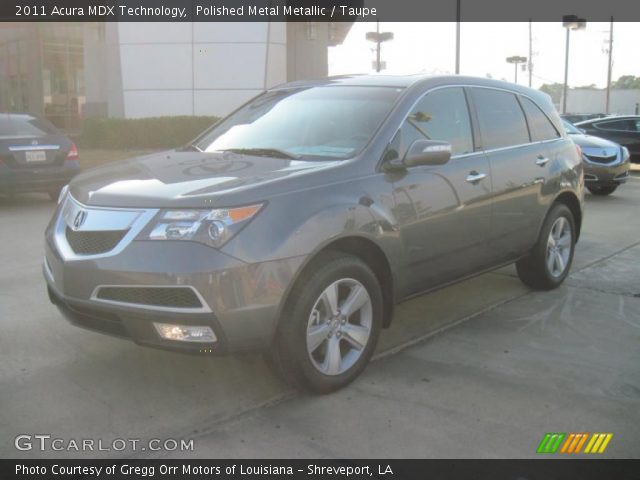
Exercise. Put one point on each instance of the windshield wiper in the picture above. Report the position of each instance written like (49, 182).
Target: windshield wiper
(264, 152)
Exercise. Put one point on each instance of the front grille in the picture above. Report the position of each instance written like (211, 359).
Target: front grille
(93, 243)
(169, 297)
(603, 160)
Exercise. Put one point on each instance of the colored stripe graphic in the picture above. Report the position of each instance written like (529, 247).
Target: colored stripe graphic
(550, 442)
(598, 443)
(573, 443)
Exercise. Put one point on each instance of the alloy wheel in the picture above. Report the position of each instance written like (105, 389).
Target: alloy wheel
(559, 247)
(339, 326)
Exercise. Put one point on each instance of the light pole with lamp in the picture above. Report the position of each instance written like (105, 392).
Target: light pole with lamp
(516, 60)
(570, 22)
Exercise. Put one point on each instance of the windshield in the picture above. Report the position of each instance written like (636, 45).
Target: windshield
(331, 122)
(25, 126)
(570, 128)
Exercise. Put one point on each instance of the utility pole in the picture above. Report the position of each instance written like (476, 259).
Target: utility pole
(457, 37)
(609, 68)
(530, 66)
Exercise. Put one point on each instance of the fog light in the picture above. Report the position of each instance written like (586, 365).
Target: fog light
(185, 333)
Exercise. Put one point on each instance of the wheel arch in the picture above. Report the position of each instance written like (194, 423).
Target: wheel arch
(573, 203)
(366, 250)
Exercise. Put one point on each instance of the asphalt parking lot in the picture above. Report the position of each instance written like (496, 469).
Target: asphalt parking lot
(506, 366)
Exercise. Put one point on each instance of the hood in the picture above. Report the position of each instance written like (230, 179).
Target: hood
(589, 141)
(188, 179)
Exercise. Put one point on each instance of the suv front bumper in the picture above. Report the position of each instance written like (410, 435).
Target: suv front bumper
(240, 302)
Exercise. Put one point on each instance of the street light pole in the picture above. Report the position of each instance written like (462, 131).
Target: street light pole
(566, 74)
(610, 66)
(516, 60)
(530, 65)
(570, 22)
(379, 38)
(457, 37)
(378, 47)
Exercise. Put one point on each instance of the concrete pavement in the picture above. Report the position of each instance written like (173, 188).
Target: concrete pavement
(518, 364)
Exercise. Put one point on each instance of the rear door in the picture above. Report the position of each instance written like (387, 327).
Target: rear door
(443, 211)
(519, 166)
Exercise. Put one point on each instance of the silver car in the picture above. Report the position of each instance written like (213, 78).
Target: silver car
(298, 222)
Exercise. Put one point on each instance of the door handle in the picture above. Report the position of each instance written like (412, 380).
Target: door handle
(475, 177)
(542, 161)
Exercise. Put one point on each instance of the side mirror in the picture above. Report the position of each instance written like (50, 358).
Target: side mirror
(582, 130)
(427, 152)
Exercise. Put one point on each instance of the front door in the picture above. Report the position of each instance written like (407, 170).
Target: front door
(443, 211)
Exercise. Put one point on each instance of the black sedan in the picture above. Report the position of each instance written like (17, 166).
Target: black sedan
(624, 130)
(606, 164)
(34, 156)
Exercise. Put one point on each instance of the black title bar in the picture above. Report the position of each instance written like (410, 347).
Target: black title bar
(314, 10)
(542, 469)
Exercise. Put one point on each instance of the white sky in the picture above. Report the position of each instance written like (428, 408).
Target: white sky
(430, 48)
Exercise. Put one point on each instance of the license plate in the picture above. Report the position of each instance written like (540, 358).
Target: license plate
(36, 156)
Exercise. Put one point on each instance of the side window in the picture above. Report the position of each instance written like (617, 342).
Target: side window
(623, 125)
(540, 126)
(501, 119)
(440, 115)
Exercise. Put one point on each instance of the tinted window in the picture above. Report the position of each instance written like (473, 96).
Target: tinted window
(540, 126)
(25, 126)
(317, 122)
(502, 122)
(625, 125)
(440, 115)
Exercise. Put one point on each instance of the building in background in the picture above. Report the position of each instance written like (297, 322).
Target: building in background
(593, 100)
(66, 71)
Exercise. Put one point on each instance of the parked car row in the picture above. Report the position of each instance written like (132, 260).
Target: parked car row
(296, 224)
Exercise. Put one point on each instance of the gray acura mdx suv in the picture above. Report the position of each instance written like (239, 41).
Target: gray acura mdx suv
(296, 223)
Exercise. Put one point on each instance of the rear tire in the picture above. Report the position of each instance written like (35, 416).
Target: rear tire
(549, 262)
(602, 190)
(331, 325)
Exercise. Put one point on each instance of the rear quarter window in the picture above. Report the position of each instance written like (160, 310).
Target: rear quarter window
(501, 119)
(540, 126)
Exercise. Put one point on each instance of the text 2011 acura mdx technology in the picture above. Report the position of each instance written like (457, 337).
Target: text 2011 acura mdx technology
(296, 223)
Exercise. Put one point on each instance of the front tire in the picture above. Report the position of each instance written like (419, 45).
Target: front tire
(549, 262)
(602, 190)
(330, 327)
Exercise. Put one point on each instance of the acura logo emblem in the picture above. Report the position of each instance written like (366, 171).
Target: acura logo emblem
(79, 219)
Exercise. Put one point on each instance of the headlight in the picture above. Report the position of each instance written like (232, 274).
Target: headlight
(212, 227)
(63, 193)
(625, 154)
